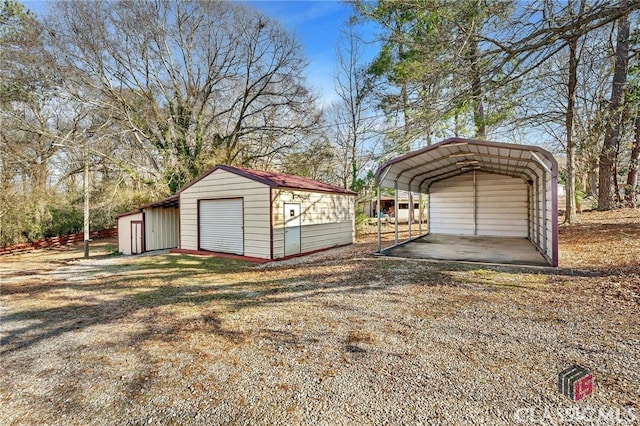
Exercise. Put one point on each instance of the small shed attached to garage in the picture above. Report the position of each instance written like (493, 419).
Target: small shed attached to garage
(263, 215)
(486, 202)
(130, 232)
(154, 226)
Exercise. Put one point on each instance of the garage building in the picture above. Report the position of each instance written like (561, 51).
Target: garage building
(486, 201)
(253, 214)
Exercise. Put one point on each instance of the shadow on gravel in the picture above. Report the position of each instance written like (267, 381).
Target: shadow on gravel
(84, 306)
(267, 287)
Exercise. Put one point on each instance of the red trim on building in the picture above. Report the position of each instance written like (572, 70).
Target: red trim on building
(275, 180)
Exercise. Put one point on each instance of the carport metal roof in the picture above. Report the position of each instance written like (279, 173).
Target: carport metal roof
(417, 170)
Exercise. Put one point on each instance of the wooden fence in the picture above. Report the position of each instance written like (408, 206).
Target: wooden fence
(47, 243)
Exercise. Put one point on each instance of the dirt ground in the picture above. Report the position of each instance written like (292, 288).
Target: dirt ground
(339, 337)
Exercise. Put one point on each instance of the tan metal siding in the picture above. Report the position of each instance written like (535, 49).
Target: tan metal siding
(222, 184)
(124, 232)
(501, 206)
(328, 219)
(497, 207)
(451, 208)
(161, 227)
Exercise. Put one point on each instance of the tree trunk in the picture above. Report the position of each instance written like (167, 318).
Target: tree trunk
(354, 163)
(607, 180)
(631, 190)
(479, 121)
(570, 213)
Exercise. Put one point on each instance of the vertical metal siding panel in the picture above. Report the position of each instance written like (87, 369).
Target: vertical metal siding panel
(161, 228)
(540, 213)
(451, 206)
(528, 211)
(501, 206)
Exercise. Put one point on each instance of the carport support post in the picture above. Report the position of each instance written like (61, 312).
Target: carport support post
(410, 211)
(85, 184)
(475, 204)
(420, 214)
(379, 222)
(395, 210)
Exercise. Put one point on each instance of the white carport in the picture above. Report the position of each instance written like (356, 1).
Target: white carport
(487, 193)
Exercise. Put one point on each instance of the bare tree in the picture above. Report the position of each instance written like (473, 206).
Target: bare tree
(607, 177)
(572, 43)
(198, 82)
(352, 115)
(631, 190)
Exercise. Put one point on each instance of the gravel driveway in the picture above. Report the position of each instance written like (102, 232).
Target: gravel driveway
(342, 339)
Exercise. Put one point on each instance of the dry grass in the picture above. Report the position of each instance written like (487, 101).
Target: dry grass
(342, 338)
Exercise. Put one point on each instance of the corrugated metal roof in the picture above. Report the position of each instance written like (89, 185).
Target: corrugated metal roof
(276, 180)
(170, 201)
(417, 170)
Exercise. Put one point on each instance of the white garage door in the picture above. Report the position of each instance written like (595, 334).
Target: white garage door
(220, 225)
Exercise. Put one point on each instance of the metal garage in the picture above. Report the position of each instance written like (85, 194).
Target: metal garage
(262, 215)
(486, 202)
(153, 226)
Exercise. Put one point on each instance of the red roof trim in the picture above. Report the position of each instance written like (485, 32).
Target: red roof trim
(170, 201)
(275, 180)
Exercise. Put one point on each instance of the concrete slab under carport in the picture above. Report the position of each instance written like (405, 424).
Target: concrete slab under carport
(502, 250)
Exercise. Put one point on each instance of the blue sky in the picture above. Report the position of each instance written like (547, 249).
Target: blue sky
(316, 24)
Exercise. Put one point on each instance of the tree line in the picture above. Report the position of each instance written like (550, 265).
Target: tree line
(151, 94)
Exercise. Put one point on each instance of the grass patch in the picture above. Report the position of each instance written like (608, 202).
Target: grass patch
(192, 263)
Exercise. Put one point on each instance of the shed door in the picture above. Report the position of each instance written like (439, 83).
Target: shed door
(136, 237)
(220, 225)
(291, 229)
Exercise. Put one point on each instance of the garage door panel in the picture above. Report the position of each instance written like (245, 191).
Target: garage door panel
(220, 225)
